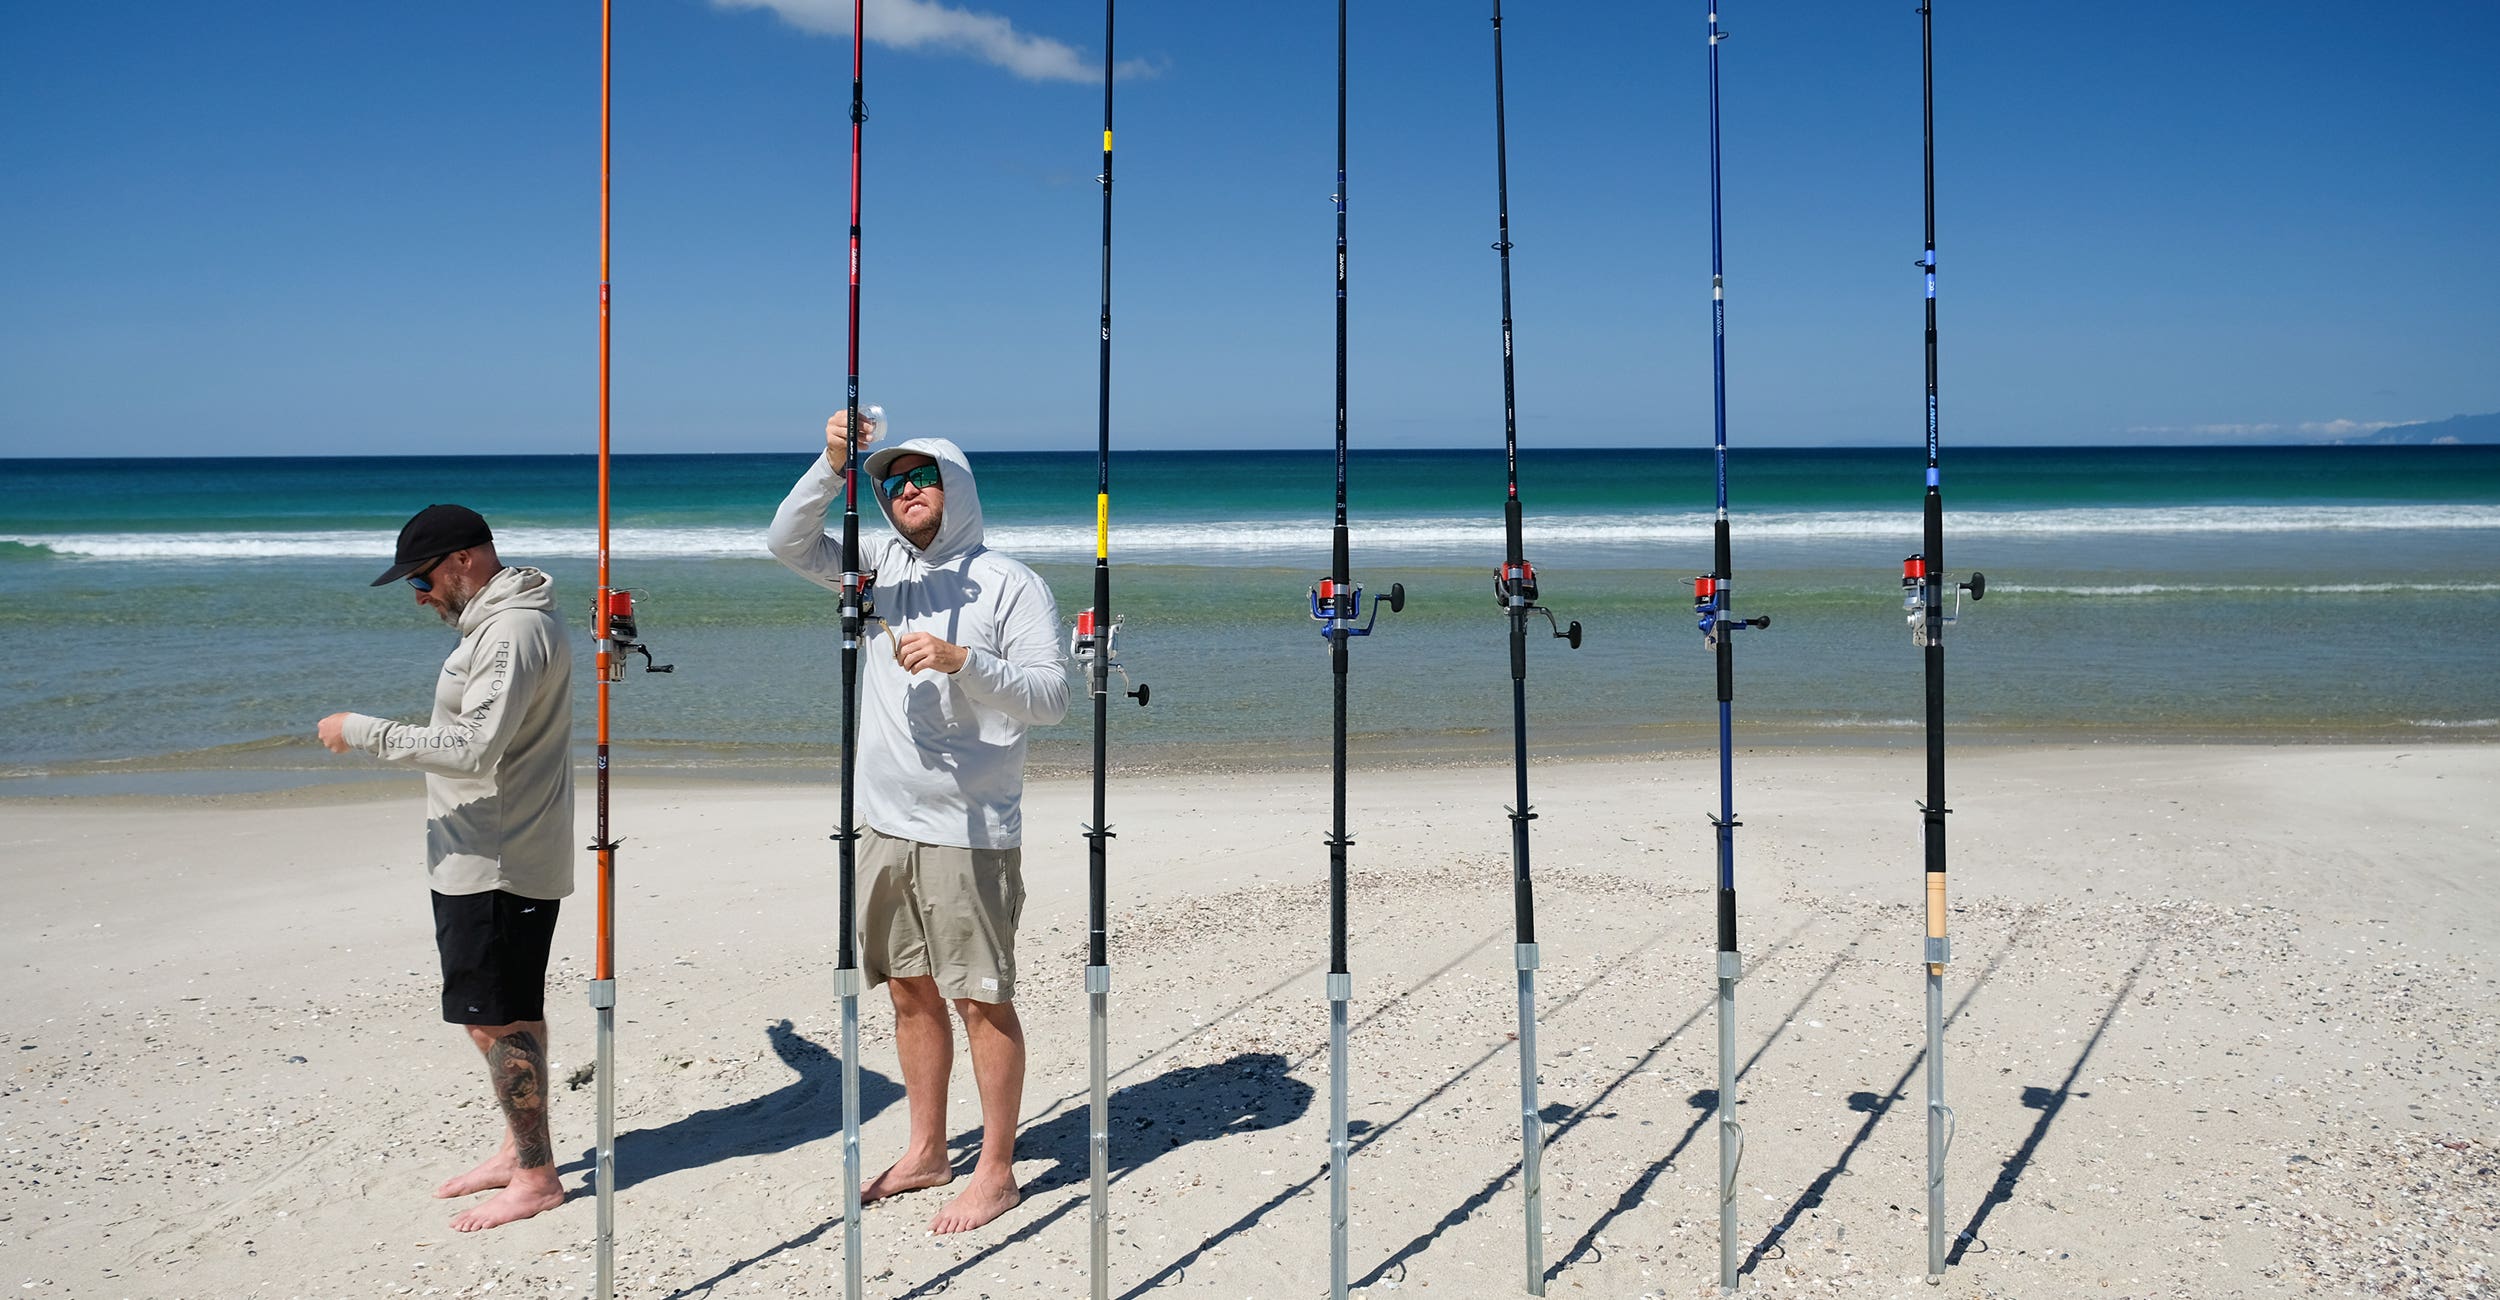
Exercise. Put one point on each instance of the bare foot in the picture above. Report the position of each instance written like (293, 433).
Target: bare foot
(492, 1172)
(531, 1192)
(905, 1176)
(980, 1201)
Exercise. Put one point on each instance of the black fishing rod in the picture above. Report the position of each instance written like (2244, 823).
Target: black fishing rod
(1338, 606)
(1514, 589)
(1713, 601)
(1924, 583)
(858, 598)
(1095, 644)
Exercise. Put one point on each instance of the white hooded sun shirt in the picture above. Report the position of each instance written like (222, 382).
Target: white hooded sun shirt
(941, 756)
(497, 756)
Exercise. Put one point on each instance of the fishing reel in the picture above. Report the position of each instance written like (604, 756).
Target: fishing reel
(1100, 653)
(1514, 587)
(621, 636)
(859, 602)
(1339, 609)
(1920, 589)
(1711, 596)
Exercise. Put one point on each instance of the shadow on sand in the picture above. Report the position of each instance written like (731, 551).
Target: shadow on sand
(799, 1112)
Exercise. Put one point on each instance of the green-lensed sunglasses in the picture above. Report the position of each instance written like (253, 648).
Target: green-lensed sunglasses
(924, 476)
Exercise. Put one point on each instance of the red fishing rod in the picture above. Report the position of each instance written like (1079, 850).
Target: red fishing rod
(856, 607)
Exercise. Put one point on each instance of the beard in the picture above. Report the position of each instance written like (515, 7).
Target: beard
(924, 536)
(451, 600)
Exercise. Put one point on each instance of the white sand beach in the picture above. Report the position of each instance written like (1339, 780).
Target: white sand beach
(2224, 1023)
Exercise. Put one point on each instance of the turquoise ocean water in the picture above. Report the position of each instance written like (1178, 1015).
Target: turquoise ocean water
(180, 624)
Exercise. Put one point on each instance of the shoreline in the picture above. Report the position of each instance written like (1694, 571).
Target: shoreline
(172, 779)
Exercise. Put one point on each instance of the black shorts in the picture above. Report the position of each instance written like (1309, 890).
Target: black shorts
(494, 949)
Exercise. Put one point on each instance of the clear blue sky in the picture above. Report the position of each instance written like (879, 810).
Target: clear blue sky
(294, 227)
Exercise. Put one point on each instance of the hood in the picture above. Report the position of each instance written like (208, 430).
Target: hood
(513, 588)
(959, 525)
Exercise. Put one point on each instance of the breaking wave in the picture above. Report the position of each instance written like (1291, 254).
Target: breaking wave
(1423, 535)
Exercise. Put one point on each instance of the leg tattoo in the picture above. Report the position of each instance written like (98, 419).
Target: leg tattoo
(518, 1066)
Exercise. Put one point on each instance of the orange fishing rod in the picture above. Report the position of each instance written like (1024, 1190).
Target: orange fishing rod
(608, 664)
(612, 620)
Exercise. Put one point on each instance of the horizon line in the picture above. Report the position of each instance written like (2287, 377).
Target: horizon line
(1315, 449)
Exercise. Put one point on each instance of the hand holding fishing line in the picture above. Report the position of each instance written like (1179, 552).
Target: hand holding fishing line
(838, 431)
(918, 650)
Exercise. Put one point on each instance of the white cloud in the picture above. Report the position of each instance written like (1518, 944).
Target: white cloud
(928, 25)
(2325, 429)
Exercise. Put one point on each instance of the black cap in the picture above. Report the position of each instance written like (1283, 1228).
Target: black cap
(437, 531)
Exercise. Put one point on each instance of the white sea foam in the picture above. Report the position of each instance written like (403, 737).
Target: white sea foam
(2257, 588)
(1293, 537)
(2452, 722)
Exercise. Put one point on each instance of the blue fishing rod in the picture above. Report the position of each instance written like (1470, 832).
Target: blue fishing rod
(1337, 604)
(1514, 589)
(1095, 645)
(1924, 585)
(1713, 603)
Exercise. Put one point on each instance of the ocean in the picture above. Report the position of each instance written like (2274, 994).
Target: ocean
(179, 625)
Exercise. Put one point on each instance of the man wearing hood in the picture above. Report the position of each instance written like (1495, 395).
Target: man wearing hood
(961, 658)
(497, 759)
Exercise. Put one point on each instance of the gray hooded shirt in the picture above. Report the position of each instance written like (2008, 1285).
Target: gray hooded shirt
(497, 755)
(941, 756)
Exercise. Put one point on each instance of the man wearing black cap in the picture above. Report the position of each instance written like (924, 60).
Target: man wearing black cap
(497, 758)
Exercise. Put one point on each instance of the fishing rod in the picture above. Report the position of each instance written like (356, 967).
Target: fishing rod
(857, 605)
(1713, 603)
(612, 620)
(1337, 604)
(1514, 589)
(1924, 583)
(1095, 644)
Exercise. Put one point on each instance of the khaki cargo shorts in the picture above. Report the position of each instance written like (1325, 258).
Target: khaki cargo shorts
(941, 911)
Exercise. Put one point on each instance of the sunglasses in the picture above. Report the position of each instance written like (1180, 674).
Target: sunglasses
(420, 581)
(926, 476)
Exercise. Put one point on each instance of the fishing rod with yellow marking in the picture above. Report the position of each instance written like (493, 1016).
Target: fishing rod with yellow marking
(1095, 644)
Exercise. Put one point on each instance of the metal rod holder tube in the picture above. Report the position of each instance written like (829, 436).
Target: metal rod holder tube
(848, 980)
(1340, 990)
(1531, 1124)
(1731, 1133)
(1098, 1139)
